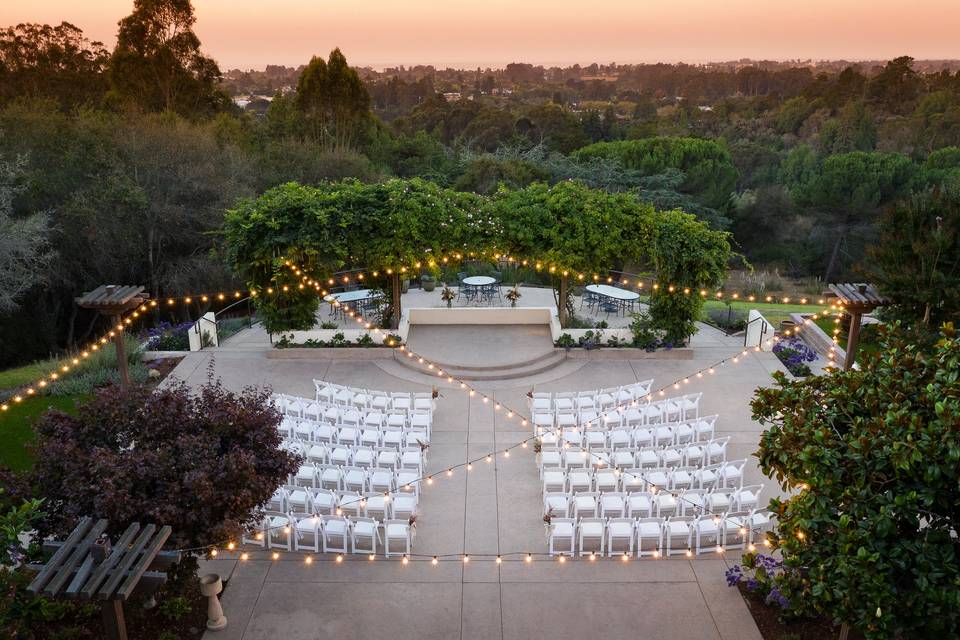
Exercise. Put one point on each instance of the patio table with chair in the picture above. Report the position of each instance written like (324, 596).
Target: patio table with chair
(479, 289)
(361, 301)
(609, 299)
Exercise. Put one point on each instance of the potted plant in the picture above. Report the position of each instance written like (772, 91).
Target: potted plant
(447, 295)
(513, 295)
(428, 282)
(405, 285)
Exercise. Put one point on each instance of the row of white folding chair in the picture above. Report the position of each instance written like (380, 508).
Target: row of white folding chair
(643, 436)
(333, 534)
(656, 536)
(722, 475)
(687, 422)
(343, 416)
(598, 399)
(357, 397)
(351, 434)
(301, 501)
(648, 503)
(359, 456)
(691, 455)
(353, 478)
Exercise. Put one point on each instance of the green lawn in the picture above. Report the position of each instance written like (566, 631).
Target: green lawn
(774, 313)
(11, 378)
(16, 425)
(869, 339)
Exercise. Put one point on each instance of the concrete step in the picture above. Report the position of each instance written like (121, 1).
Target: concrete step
(527, 377)
(531, 367)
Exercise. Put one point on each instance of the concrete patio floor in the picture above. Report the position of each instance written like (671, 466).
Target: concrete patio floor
(494, 509)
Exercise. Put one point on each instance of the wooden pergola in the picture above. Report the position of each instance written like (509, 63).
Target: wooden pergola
(857, 299)
(86, 566)
(115, 300)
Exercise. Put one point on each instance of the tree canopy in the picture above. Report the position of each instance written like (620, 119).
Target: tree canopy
(708, 170)
(403, 225)
(871, 536)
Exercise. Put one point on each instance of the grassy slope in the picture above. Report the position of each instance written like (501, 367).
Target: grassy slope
(16, 425)
(774, 313)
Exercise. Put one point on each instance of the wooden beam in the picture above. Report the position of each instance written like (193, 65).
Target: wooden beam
(50, 568)
(113, 620)
(127, 562)
(77, 554)
(853, 340)
(141, 566)
(116, 553)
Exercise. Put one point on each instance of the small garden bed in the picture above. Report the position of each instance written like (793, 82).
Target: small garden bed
(338, 341)
(773, 628)
(795, 354)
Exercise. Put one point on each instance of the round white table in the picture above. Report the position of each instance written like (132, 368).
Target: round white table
(613, 292)
(349, 296)
(479, 281)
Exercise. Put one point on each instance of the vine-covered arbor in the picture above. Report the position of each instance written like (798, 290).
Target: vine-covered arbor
(400, 228)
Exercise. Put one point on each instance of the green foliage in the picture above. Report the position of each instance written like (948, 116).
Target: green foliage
(565, 341)
(15, 522)
(916, 262)
(174, 608)
(706, 164)
(871, 536)
(686, 255)
(486, 174)
(157, 64)
(333, 101)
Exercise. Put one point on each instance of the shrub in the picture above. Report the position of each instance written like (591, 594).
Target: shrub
(728, 319)
(871, 533)
(795, 354)
(565, 341)
(762, 575)
(644, 335)
(202, 462)
(167, 336)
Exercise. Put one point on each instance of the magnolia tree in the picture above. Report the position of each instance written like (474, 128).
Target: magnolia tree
(203, 462)
(872, 460)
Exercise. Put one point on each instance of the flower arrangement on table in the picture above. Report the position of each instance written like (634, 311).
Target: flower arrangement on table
(513, 295)
(447, 295)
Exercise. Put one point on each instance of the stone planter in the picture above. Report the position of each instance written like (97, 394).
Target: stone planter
(428, 284)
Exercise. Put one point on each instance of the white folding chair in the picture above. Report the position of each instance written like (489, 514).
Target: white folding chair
(307, 535)
(707, 532)
(580, 479)
(279, 532)
(376, 506)
(677, 533)
(556, 503)
(620, 536)
(747, 498)
(349, 503)
(366, 532)
(336, 533)
(355, 479)
(613, 504)
(590, 535)
(585, 504)
(403, 505)
(731, 474)
(561, 536)
(606, 479)
(639, 504)
(324, 501)
(650, 530)
(396, 532)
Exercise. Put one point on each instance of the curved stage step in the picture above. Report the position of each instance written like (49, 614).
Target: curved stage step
(531, 367)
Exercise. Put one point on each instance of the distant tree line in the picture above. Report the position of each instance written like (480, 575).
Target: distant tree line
(118, 165)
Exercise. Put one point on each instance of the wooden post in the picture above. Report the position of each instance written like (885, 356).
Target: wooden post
(397, 293)
(113, 620)
(853, 338)
(121, 353)
(562, 304)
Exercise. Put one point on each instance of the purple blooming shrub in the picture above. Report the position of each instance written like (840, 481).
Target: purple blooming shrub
(760, 574)
(795, 354)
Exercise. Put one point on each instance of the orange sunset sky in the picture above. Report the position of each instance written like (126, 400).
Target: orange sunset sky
(468, 33)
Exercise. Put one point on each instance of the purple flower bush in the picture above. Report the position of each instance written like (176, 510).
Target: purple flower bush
(795, 354)
(167, 336)
(760, 574)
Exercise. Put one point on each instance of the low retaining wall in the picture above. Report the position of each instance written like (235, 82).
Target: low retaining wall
(331, 353)
(818, 339)
(480, 315)
(325, 335)
(628, 353)
(759, 330)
